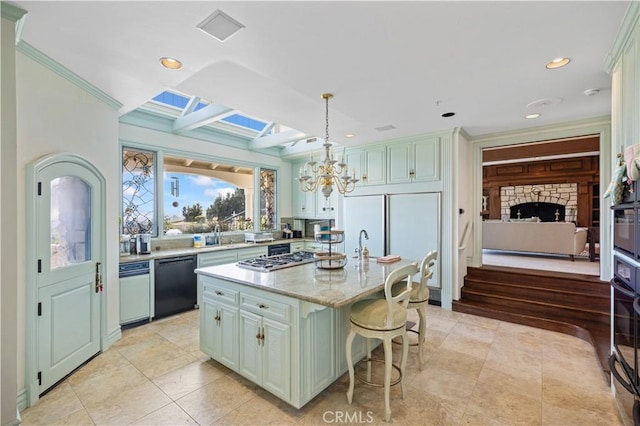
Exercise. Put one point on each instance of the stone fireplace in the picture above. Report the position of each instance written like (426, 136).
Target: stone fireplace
(543, 201)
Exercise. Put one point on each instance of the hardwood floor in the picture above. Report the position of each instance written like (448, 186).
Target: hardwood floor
(574, 304)
(544, 262)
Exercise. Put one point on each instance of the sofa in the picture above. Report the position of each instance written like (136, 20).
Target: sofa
(538, 237)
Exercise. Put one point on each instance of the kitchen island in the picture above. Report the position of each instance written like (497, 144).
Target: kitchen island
(285, 330)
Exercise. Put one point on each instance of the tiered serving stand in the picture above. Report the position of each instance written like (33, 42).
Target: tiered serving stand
(329, 259)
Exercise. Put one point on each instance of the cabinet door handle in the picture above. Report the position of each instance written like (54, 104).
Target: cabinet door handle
(262, 336)
(219, 293)
(258, 336)
(262, 306)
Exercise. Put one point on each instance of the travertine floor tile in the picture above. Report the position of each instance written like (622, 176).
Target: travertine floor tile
(60, 404)
(185, 380)
(495, 406)
(478, 371)
(460, 343)
(127, 406)
(217, 399)
(169, 415)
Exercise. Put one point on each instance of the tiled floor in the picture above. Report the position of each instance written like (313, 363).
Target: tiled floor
(479, 371)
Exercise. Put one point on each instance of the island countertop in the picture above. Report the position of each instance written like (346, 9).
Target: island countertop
(334, 288)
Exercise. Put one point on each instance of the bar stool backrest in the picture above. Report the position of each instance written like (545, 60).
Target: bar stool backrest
(403, 273)
(426, 272)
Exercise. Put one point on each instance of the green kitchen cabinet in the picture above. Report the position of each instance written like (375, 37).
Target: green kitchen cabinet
(414, 160)
(219, 324)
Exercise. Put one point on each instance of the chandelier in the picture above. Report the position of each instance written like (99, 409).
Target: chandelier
(329, 172)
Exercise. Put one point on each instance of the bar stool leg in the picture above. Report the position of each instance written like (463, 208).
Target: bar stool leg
(422, 329)
(388, 359)
(403, 361)
(349, 343)
(368, 341)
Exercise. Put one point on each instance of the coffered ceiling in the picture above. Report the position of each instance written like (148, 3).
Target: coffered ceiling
(390, 65)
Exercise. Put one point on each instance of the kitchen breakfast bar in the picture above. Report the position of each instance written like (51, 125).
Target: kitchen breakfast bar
(285, 330)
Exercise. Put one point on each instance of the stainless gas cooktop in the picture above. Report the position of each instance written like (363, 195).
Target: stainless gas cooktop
(272, 263)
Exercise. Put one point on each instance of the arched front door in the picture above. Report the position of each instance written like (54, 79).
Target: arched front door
(68, 218)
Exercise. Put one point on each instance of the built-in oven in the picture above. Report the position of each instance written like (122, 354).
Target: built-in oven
(623, 361)
(624, 236)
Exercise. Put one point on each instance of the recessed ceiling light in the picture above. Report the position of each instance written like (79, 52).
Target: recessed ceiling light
(558, 63)
(349, 135)
(448, 114)
(534, 115)
(220, 26)
(171, 63)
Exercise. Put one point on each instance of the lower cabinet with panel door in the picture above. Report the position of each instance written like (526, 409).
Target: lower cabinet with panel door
(219, 325)
(265, 346)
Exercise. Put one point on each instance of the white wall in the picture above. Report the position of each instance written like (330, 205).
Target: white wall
(8, 215)
(465, 202)
(54, 115)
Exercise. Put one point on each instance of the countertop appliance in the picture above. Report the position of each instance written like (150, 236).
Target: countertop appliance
(258, 237)
(175, 285)
(142, 243)
(135, 291)
(407, 225)
(272, 263)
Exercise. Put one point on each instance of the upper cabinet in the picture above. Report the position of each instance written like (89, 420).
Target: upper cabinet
(370, 165)
(414, 161)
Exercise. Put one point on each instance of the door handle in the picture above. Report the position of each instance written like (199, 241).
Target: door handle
(98, 283)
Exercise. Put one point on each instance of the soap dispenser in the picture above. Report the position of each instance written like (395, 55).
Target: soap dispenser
(365, 253)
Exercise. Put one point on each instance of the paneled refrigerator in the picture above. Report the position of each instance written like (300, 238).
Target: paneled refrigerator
(400, 224)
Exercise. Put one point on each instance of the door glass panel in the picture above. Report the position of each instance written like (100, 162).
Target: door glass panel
(70, 212)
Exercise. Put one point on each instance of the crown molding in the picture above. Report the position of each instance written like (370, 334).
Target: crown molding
(553, 131)
(44, 60)
(631, 18)
(10, 12)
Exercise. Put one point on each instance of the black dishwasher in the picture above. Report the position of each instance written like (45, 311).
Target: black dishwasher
(175, 285)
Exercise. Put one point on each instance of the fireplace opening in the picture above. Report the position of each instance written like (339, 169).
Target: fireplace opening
(546, 212)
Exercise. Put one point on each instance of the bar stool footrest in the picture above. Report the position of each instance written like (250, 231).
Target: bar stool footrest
(378, 385)
(395, 341)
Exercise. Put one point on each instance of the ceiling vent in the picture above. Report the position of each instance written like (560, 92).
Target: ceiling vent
(385, 128)
(546, 102)
(220, 26)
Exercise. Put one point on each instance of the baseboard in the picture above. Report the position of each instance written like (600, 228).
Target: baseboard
(21, 400)
(112, 337)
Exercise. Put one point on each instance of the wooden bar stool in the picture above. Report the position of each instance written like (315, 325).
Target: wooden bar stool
(419, 298)
(382, 319)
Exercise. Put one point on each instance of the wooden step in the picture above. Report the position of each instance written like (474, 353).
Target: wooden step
(573, 304)
(539, 279)
(561, 310)
(595, 302)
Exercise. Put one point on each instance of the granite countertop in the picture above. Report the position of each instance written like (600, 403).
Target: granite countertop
(329, 287)
(187, 251)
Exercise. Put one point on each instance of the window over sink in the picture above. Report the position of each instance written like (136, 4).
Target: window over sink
(170, 194)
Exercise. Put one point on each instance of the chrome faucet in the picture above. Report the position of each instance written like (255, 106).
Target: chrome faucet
(217, 233)
(366, 236)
